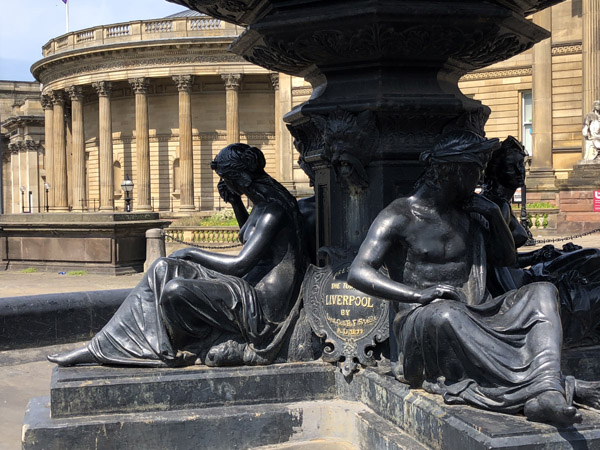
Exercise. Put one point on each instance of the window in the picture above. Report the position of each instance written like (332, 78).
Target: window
(527, 121)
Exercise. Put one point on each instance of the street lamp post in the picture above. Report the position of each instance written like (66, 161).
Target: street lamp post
(46, 188)
(127, 186)
(22, 189)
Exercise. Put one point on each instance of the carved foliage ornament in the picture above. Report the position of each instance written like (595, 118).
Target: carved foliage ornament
(184, 82)
(473, 47)
(75, 93)
(58, 97)
(47, 101)
(139, 85)
(24, 146)
(232, 80)
(103, 88)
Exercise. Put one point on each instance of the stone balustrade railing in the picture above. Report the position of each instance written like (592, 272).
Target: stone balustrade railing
(217, 236)
(540, 219)
(142, 30)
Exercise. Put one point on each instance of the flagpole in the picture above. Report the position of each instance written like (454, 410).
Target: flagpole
(67, 14)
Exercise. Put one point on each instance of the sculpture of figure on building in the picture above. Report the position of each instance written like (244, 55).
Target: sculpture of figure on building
(575, 271)
(197, 306)
(591, 133)
(502, 354)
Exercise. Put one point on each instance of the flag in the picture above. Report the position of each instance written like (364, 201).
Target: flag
(64, 1)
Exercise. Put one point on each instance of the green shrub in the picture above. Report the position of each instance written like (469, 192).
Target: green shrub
(540, 205)
(77, 273)
(29, 270)
(223, 218)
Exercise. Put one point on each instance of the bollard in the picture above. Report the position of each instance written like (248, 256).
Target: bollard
(155, 246)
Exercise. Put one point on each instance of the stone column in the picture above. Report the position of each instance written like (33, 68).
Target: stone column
(77, 148)
(541, 176)
(285, 158)
(591, 54)
(49, 145)
(107, 182)
(61, 200)
(232, 86)
(186, 166)
(285, 144)
(142, 143)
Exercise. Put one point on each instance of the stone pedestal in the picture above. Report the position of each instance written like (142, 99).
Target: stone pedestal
(251, 407)
(577, 198)
(106, 243)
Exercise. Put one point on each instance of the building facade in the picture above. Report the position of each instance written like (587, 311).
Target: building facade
(542, 95)
(155, 100)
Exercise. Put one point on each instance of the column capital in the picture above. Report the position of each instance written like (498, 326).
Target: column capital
(184, 82)
(47, 101)
(232, 80)
(75, 93)
(103, 88)
(274, 80)
(58, 97)
(140, 85)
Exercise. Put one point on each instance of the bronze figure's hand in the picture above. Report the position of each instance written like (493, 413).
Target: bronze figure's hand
(226, 194)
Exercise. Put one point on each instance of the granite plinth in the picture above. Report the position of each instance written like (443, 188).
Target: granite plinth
(90, 391)
(250, 407)
(104, 243)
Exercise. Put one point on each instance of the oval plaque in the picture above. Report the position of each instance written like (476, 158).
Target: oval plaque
(351, 321)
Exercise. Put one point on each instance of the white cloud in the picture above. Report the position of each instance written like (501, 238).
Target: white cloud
(28, 24)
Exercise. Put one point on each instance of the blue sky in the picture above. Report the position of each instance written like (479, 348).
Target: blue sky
(28, 24)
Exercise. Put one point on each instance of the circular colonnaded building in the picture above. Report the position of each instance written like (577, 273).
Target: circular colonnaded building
(152, 100)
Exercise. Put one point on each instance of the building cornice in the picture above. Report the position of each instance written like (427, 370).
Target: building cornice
(500, 73)
(14, 122)
(169, 54)
(567, 49)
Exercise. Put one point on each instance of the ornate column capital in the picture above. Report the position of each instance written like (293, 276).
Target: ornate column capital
(103, 88)
(274, 80)
(184, 82)
(139, 85)
(47, 101)
(232, 80)
(14, 147)
(75, 92)
(58, 97)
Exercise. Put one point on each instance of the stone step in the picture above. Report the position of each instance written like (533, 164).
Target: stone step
(93, 390)
(426, 418)
(317, 444)
(239, 427)
(258, 406)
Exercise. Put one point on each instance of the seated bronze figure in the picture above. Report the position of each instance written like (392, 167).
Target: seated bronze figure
(575, 271)
(503, 353)
(197, 306)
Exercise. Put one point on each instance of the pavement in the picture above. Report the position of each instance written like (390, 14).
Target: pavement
(25, 374)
